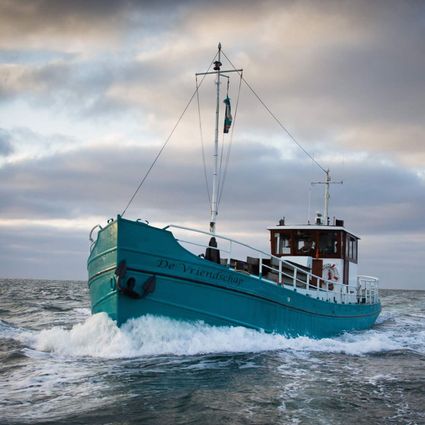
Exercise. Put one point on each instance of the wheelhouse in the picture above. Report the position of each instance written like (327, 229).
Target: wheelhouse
(329, 251)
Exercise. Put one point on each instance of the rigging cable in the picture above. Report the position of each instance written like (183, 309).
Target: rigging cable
(226, 164)
(202, 142)
(219, 174)
(275, 118)
(222, 150)
(166, 141)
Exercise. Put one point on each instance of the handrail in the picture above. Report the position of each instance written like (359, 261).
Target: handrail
(371, 278)
(92, 230)
(92, 241)
(366, 289)
(214, 235)
(203, 245)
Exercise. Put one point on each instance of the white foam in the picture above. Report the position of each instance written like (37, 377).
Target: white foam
(82, 311)
(353, 344)
(99, 336)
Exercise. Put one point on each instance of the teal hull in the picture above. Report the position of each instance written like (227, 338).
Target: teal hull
(186, 287)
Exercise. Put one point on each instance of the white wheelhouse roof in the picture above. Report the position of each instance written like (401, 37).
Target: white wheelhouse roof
(320, 227)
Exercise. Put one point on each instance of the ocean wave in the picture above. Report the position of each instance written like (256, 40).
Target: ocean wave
(9, 330)
(99, 336)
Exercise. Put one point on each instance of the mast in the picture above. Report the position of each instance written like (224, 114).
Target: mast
(219, 74)
(327, 195)
(214, 212)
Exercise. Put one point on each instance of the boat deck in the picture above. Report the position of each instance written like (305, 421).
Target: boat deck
(277, 271)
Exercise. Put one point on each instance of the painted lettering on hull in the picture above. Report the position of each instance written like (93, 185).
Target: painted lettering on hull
(164, 263)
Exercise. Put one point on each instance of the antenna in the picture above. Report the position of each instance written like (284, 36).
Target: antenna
(328, 181)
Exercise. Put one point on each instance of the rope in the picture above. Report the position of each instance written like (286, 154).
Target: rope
(274, 117)
(202, 142)
(166, 141)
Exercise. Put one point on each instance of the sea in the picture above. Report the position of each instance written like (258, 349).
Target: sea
(61, 365)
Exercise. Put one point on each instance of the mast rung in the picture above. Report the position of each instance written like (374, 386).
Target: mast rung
(221, 72)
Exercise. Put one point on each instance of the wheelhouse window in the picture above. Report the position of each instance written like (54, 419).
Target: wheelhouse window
(283, 244)
(351, 249)
(315, 242)
(305, 245)
(328, 244)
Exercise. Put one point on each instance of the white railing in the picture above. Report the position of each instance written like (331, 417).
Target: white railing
(367, 289)
(278, 271)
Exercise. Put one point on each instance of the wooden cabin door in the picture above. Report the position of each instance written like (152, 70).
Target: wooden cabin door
(317, 269)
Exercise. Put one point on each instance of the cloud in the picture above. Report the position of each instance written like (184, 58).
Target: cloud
(397, 261)
(99, 179)
(337, 74)
(5, 143)
(31, 23)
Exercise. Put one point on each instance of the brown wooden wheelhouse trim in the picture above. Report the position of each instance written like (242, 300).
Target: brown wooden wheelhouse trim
(340, 243)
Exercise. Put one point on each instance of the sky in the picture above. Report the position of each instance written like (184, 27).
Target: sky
(90, 91)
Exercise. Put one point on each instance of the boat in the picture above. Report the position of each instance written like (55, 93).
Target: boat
(306, 285)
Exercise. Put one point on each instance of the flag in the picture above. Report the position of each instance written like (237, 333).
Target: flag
(227, 116)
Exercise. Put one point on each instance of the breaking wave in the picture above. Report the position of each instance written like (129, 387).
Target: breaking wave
(99, 336)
